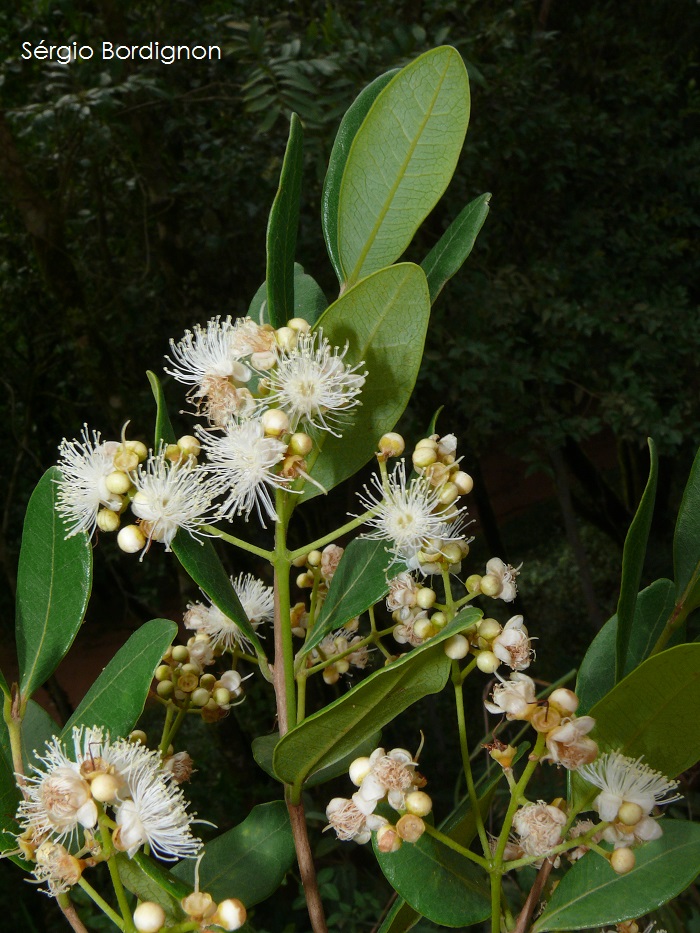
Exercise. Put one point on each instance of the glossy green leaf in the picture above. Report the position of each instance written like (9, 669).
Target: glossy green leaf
(452, 892)
(654, 711)
(147, 888)
(633, 563)
(384, 320)
(401, 160)
(264, 748)
(347, 131)
(401, 918)
(117, 698)
(282, 230)
(454, 246)
(250, 860)
(4, 688)
(686, 542)
(359, 582)
(9, 799)
(591, 894)
(331, 734)
(309, 300)
(198, 557)
(53, 587)
(596, 675)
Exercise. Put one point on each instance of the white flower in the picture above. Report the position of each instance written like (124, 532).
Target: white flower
(58, 796)
(84, 466)
(351, 823)
(515, 697)
(211, 351)
(56, 868)
(539, 827)
(405, 514)
(153, 809)
(242, 462)
(568, 744)
(403, 593)
(512, 645)
(626, 780)
(391, 775)
(506, 576)
(258, 600)
(314, 385)
(330, 558)
(170, 496)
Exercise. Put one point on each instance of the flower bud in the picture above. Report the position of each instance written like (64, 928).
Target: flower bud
(313, 558)
(180, 654)
(200, 697)
(301, 326)
(487, 662)
(107, 520)
(423, 628)
(629, 814)
(275, 422)
(126, 460)
(221, 696)
(438, 620)
(286, 338)
(622, 860)
(230, 914)
(131, 539)
(488, 629)
(301, 444)
(207, 681)
(305, 581)
(448, 494)
(473, 583)
(423, 457)
(388, 840)
(189, 445)
(410, 827)
(391, 445)
(138, 735)
(457, 647)
(139, 448)
(165, 689)
(118, 482)
(452, 553)
(463, 482)
(490, 585)
(427, 442)
(164, 672)
(565, 701)
(331, 675)
(105, 787)
(149, 917)
(418, 803)
(359, 769)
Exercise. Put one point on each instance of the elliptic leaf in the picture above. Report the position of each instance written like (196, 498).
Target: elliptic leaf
(596, 675)
(384, 320)
(454, 246)
(359, 582)
(250, 860)
(653, 711)
(117, 698)
(591, 894)
(53, 587)
(347, 130)
(633, 563)
(264, 748)
(686, 542)
(401, 160)
(282, 230)
(335, 731)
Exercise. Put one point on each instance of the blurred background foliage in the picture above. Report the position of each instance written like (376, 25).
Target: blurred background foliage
(134, 204)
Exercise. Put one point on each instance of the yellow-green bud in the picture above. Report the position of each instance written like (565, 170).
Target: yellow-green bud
(313, 558)
(427, 442)
(190, 668)
(438, 619)
(138, 735)
(448, 494)
(630, 814)
(622, 860)
(286, 338)
(118, 482)
(107, 520)
(419, 803)
(457, 647)
(189, 445)
(331, 675)
(149, 917)
(105, 787)
(180, 654)
(173, 453)
(452, 552)
(425, 597)
(221, 696)
(463, 482)
(487, 662)
(490, 585)
(423, 457)
(488, 629)
(473, 583)
(299, 324)
(131, 539)
(139, 448)
(424, 628)
(165, 689)
(200, 696)
(275, 422)
(305, 580)
(391, 445)
(164, 672)
(301, 444)
(207, 681)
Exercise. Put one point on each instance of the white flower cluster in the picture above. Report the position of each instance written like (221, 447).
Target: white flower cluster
(66, 791)
(258, 603)
(383, 776)
(259, 389)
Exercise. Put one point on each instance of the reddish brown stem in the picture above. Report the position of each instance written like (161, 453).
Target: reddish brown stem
(533, 897)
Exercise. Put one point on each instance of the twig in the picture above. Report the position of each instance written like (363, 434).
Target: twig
(533, 897)
(71, 914)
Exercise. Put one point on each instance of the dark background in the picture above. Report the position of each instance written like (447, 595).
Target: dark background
(134, 203)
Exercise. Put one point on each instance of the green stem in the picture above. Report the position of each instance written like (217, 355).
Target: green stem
(301, 697)
(495, 902)
(455, 846)
(284, 649)
(583, 840)
(466, 764)
(12, 714)
(167, 725)
(238, 542)
(679, 615)
(110, 852)
(169, 738)
(330, 538)
(101, 903)
(449, 601)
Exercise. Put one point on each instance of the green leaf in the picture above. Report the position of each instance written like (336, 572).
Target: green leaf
(198, 557)
(147, 888)
(401, 918)
(401, 160)
(309, 300)
(264, 749)
(249, 861)
(384, 320)
(596, 675)
(686, 542)
(633, 563)
(591, 894)
(452, 891)
(359, 582)
(53, 587)
(9, 798)
(117, 698)
(454, 246)
(282, 230)
(653, 711)
(329, 735)
(347, 131)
